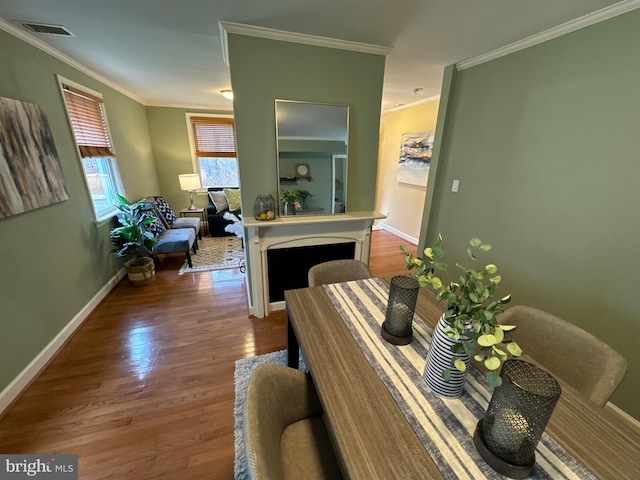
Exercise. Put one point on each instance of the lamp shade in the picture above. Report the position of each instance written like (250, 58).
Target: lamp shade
(189, 182)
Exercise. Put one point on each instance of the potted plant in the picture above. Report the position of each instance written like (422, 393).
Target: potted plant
(133, 240)
(471, 317)
(288, 197)
(303, 195)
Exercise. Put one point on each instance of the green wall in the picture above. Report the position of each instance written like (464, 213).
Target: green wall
(544, 143)
(171, 151)
(56, 258)
(264, 70)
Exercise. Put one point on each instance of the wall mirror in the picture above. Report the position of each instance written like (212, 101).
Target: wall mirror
(312, 147)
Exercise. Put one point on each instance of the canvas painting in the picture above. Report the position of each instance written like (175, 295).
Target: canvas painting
(30, 171)
(415, 158)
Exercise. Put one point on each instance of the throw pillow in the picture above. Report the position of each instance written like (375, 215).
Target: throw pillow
(157, 227)
(219, 200)
(233, 197)
(166, 211)
(156, 212)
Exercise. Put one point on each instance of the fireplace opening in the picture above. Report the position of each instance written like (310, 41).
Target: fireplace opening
(288, 267)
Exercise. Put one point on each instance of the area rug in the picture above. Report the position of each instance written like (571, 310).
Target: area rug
(216, 253)
(242, 376)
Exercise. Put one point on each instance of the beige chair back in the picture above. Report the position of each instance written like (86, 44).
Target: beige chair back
(579, 358)
(284, 432)
(336, 271)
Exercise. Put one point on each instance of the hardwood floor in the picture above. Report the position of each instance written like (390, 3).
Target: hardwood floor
(144, 389)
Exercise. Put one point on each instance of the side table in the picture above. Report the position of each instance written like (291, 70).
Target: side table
(204, 226)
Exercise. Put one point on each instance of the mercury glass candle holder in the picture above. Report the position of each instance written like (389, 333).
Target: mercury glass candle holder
(516, 417)
(403, 294)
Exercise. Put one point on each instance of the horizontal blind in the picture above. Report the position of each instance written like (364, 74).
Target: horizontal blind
(214, 137)
(88, 123)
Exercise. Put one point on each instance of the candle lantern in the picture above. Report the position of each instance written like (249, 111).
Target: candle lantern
(517, 415)
(403, 294)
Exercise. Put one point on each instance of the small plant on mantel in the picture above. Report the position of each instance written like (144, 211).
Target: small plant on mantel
(289, 195)
(471, 309)
(303, 195)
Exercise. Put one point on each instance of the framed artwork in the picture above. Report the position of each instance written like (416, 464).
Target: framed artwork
(415, 158)
(30, 170)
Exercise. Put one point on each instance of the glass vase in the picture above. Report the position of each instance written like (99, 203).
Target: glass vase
(264, 208)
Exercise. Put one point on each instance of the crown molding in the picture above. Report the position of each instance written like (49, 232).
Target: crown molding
(433, 98)
(189, 106)
(284, 36)
(567, 27)
(48, 49)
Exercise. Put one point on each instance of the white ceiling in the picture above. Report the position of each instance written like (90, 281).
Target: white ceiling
(168, 52)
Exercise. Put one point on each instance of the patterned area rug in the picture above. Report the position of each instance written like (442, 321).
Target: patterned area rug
(216, 253)
(242, 376)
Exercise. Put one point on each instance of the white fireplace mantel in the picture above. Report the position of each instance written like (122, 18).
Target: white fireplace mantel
(296, 231)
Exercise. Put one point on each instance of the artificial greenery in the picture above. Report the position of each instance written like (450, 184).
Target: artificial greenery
(132, 238)
(471, 309)
(289, 195)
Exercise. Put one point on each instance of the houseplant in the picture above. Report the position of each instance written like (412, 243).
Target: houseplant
(133, 240)
(303, 195)
(471, 316)
(288, 197)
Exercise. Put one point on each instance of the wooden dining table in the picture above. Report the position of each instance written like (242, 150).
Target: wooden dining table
(371, 436)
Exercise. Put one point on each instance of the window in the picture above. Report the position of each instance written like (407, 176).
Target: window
(213, 142)
(89, 124)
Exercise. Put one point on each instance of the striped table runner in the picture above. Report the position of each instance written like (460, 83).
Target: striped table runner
(444, 426)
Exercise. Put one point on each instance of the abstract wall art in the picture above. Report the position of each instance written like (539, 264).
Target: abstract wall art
(30, 171)
(415, 158)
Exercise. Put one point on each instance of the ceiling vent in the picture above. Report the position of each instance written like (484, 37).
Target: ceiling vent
(46, 28)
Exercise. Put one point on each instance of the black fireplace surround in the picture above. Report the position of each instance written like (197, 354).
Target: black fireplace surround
(289, 267)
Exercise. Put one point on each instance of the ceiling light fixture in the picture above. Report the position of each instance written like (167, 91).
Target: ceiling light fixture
(227, 94)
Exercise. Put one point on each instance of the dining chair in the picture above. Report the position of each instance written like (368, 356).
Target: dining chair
(336, 271)
(284, 431)
(579, 358)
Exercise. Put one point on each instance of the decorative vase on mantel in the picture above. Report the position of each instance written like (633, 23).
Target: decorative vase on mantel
(439, 358)
(289, 208)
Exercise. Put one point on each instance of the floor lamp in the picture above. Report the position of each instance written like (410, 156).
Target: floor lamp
(190, 182)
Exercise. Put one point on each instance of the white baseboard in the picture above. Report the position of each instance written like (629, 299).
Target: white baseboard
(13, 390)
(274, 306)
(398, 233)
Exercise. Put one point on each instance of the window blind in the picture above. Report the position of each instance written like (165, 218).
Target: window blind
(88, 123)
(214, 137)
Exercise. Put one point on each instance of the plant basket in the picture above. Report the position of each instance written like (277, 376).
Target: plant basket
(141, 275)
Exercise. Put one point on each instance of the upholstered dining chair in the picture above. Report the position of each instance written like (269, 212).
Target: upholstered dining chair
(580, 359)
(336, 271)
(284, 431)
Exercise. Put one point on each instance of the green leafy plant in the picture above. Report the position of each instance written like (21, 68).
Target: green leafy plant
(472, 310)
(133, 238)
(304, 194)
(289, 195)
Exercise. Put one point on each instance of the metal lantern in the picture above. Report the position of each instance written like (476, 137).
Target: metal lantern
(403, 294)
(517, 415)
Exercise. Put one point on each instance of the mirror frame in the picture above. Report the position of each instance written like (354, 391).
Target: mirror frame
(332, 160)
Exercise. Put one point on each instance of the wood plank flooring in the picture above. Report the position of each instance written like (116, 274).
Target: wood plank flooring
(144, 389)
